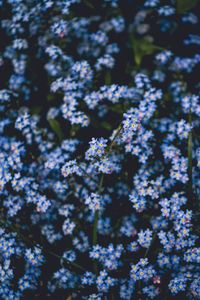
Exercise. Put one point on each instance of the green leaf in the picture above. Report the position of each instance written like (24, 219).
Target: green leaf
(36, 110)
(50, 97)
(56, 128)
(142, 47)
(106, 125)
(185, 5)
(74, 129)
(89, 4)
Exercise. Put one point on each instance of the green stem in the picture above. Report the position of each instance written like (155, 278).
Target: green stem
(33, 244)
(108, 78)
(112, 296)
(145, 255)
(114, 138)
(87, 175)
(96, 216)
(147, 251)
(94, 236)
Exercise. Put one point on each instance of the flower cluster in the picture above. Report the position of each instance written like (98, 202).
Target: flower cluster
(99, 149)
